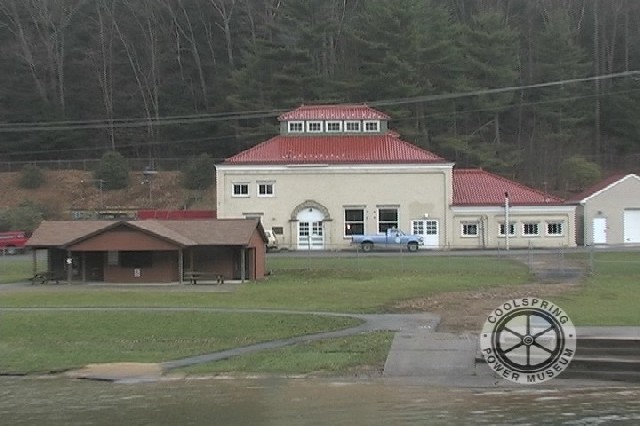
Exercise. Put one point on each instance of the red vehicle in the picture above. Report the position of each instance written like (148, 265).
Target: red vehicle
(12, 242)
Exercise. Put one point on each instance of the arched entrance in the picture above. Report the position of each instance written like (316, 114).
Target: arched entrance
(310, 217)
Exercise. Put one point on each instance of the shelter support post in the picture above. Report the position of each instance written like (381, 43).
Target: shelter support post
(84, 267)
(34, 261)
(180, 266)
(243, 264)
(69, 263)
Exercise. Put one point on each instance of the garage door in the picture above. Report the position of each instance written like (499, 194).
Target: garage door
(631, 226)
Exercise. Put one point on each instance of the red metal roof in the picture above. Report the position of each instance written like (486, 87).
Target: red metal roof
(476, 187)
(334, 112)
(175, 214)
(338, 149)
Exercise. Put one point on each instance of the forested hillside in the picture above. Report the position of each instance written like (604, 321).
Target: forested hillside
(171, 78)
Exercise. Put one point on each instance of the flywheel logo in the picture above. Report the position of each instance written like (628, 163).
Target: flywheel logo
(528, 340)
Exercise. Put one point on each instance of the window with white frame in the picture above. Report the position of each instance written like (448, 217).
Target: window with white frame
(512, 229)
(530, 229)
(240, 190)
(387, 218)
(296, 126)
(353, 221)
(554, 228)
(372, 126)
(314, 126)
(266, 189)
(334, 126)
(352, 126)
(469, 229)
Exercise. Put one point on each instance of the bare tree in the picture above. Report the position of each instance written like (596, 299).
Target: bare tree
(50, 20)
(225, 9)
(184, 28)
(103, 59)
(142, 51)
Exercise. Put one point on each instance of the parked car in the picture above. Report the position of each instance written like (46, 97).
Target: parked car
(393, 237)
(272, 240)
(12, 242)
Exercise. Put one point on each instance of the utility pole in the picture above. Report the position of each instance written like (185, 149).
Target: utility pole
(100, 188)
(149, 174)
(507, 227)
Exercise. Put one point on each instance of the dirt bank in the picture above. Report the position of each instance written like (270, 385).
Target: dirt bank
(467, 310)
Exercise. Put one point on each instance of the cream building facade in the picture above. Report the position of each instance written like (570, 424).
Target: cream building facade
(337, 170)
(484, 202)
(608, 213)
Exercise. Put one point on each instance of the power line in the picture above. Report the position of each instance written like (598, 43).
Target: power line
(430, 98)
(144, 144)
(517, 105)
(104, 124)
(130, 145)
(247, 115)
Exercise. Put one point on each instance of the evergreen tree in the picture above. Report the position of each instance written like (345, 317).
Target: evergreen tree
(112, 172)
(385, 58)
(560, 112)
(491, 61)
(434, 36)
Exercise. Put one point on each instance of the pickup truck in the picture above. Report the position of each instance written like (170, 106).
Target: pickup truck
(11, 242)
(393, 237)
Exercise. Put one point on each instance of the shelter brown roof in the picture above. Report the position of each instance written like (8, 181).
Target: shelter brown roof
(184, 233)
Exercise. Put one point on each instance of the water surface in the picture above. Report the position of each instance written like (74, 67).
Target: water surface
(57, 401)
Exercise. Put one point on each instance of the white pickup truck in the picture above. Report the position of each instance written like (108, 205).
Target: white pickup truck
(272, 240)
(393, 237)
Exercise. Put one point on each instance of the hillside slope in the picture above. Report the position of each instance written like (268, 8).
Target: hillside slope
(67, 190)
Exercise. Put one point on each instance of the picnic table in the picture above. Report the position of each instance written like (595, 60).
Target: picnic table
(45, 277)
(194, 276)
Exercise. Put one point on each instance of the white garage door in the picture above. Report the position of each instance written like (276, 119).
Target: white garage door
(631, 226)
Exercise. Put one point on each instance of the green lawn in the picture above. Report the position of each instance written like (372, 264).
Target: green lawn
(41, 341)
(611, 294)
(363, 352)
(334, 284)
(14, 269)
(53, 341)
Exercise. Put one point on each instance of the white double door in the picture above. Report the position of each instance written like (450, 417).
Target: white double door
(310, 229)
(428, 229)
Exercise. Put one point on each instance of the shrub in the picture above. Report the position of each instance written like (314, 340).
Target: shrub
(199, 173)
(112, 171)
(579, 172)
(26, 217)
(31, 177)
